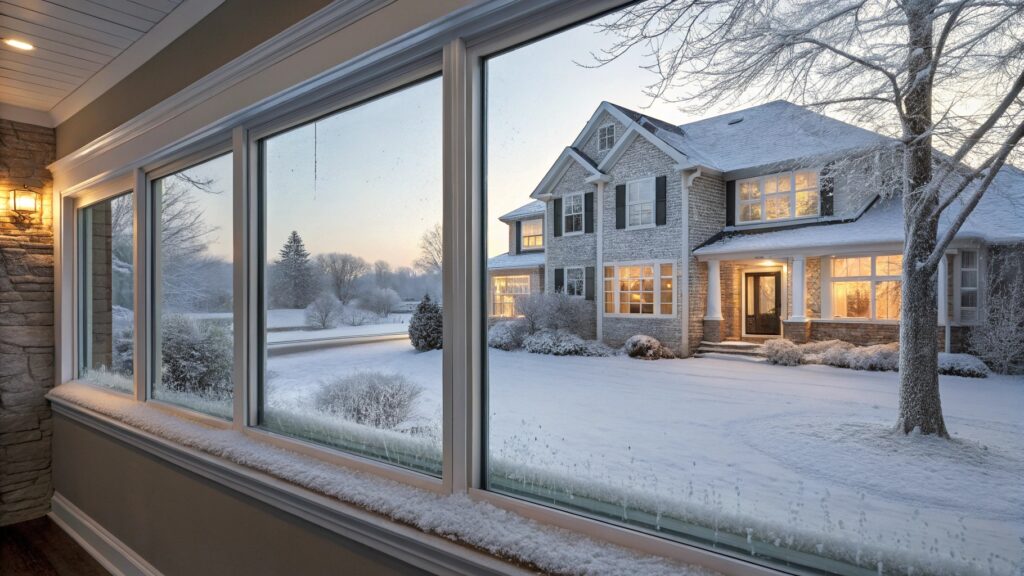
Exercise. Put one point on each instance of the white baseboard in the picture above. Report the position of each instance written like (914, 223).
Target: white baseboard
(113, 554)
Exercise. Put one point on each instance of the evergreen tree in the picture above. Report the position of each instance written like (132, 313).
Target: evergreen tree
(425, 327)
(296, 284)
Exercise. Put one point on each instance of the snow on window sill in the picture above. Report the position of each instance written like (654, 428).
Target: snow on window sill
(453, 521)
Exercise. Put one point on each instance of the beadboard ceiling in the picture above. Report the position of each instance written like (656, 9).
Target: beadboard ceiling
(82, 47)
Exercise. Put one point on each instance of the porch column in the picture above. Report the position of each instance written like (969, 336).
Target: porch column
(942, 278)
(714, 307)
(799, 309)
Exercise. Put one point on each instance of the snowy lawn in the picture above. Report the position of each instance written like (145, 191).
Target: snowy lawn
(802, 457)
(289, 325)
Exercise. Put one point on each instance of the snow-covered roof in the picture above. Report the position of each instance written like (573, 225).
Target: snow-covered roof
(528, 210)
(997, 219)
(509, 261)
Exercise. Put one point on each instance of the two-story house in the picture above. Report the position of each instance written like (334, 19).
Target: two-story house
(766, 222)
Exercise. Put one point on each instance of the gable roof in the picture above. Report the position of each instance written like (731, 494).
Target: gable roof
(562, 163)
(528, 210)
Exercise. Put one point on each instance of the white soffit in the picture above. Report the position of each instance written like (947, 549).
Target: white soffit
(82, 49)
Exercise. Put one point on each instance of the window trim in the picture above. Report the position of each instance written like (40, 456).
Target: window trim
(656, 265)
(582, 213)
(653, 202)
(763, 197)
(600, 137)
(522, 235)
(873, 279)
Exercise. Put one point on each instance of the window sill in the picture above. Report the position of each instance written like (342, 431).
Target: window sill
(441, 533)
(641, 227)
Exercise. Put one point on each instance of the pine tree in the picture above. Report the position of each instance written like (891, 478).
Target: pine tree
(425, 327)
(296, 285)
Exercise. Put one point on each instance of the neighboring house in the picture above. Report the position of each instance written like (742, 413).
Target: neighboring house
(765, 222)
(520, 272)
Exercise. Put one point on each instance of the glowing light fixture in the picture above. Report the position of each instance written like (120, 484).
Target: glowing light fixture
(24, 203)
(19, 44)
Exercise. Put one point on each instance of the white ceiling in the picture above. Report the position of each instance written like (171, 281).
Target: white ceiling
(82, 48)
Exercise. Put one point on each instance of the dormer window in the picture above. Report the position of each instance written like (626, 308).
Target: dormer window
(782, 196)
(532, 234)
(605, 137)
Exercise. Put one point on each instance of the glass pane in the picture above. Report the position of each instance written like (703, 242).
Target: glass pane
(784, 181)
(807, 203)
(851, 299)
(968, 278)
(106, 297)
(750, 212)
(193, 330)
(766, 296)
(352, 248)
(807, 180)
(887, 300)
(968, 259)
(847, 267)
(749, 190)
(969, 299)
(889, 265)
(778, 207)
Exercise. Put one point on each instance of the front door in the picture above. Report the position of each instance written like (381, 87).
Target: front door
(763, 303)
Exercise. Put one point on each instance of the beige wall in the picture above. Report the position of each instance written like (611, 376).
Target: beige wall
(233, 28)
(185, 525)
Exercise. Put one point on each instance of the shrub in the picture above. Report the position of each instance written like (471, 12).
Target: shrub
(380, 301)
(783, 352)
(962, 365)
(371, 398)
(563, 343)
(554, 312)
(877, 357)
(507, 335)
(324, 312)
(350, 316)
(426, 325)
(999, 338)
(197, 357)
(533, 309)
(123, 361)
(646, 348)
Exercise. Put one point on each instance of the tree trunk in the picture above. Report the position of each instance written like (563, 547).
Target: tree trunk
(920, 406)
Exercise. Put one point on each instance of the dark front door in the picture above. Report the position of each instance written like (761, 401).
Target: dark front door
(763, 302)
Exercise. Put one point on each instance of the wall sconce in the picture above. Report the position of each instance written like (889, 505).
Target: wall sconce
(24, 204)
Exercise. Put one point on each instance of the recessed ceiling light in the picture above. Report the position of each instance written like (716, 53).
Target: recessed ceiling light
(19, 44)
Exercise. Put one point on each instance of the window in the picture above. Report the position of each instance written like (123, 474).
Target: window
(575, 281)
(857, 289)
(638, 289)
(532, 234)
(573, 213)
(106, 300)
(968, 286)
(640, 203)
(192, 256)
(340, 271)
(777, 197)
(505, 292)
(605, 137)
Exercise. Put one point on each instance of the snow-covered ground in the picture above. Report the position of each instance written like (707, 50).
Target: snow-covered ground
(801, 457)
(289, 325)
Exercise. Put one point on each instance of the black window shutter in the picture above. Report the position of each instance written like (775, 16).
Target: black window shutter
(519, 236)
(660, 194)
(620, 206)
(827, 196)
(588, 283)
(558, 216)
(588, 212)
(730, 203)
(559, 279)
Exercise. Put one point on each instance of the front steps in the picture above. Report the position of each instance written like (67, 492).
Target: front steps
(733, 347)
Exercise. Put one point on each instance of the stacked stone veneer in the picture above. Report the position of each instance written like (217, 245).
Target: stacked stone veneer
(26, 325)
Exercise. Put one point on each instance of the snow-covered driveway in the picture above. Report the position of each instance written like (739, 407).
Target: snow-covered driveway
(806, 450)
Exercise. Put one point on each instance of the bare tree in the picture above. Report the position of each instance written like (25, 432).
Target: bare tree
(323, 312)
(382, 274)
(999, 337)
(930, 73)
(342, 271)
(431, 251)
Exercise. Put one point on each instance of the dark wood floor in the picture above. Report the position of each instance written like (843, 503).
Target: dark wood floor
(40, 548)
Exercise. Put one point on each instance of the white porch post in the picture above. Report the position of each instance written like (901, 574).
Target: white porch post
(799, 309)
(714, 310)
(942, 278)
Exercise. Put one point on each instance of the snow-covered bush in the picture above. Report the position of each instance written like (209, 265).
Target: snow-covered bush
(197, 357)
(646, 348)
(563, 343)
(380, 301)
(554, 312)
(962, 365)
(507, 335)
(533, 310)
(877, 357)
(783, 352)
(999, 337)
(371, 398)
(351, 316)
(123, 361)
(425, 326)
(324, 312)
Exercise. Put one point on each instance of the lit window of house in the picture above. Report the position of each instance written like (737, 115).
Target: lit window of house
(505, 291)
(777, 197)
(606, 137)
(638, 289)
(968, 286)
(640, 203)
(866, 287)
(532, 234)
(573, 214)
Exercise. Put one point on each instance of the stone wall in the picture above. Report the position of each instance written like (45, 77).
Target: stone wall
(26, 325)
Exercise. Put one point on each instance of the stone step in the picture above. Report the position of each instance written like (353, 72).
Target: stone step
(732, 344)
(736, 351)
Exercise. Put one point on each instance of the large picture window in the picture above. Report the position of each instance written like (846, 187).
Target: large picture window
(866, 287)
(106, 299)
(352, 273)
(505, 292)
(777, 197)
(638, 289)
(193, 325)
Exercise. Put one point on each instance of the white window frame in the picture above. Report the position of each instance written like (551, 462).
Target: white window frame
(873, 279)
(640, 185)
(960, 289)
(614, 293)
(519, 278)
(523, 236)
(606, 141)
(762, 199)
(582, 280)
(566, 201)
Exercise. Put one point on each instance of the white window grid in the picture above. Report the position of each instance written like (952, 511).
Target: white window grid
(639, 289)
(758, 199)
(532, 234)
(505, 292)
(968, 281)
(640, 196)
(572, 214)
(575, 281)
(875, 278)
(605, 137)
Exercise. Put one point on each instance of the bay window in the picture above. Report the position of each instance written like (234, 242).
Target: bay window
(505, 291)
(866, 287)
(782, 196)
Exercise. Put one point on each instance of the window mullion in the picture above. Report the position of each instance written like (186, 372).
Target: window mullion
(240, 269)
(142, 241)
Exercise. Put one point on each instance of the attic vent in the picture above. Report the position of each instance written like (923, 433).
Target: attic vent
(735, 120)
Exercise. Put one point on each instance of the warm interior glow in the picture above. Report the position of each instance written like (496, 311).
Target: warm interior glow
(19, 44)
(24, 201)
